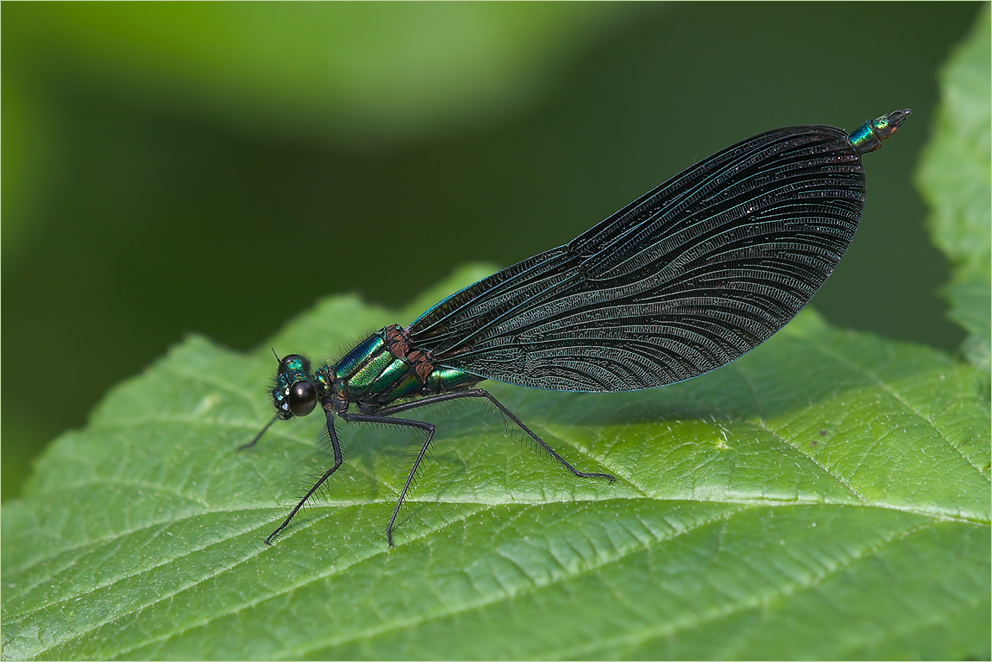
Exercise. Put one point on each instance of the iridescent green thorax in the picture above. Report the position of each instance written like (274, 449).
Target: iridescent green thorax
(353, 361)
(869, 136)
(381, 369)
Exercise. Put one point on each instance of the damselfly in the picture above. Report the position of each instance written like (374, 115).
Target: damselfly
(684, 279)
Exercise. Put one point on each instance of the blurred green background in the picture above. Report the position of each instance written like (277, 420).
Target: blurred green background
(217, 168)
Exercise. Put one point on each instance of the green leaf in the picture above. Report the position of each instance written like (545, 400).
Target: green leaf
(955, 177)
(826, 496)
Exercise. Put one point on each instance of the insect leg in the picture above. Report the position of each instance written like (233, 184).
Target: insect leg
(481, 393)
(258, 436)
(338, 460)
(427, 427)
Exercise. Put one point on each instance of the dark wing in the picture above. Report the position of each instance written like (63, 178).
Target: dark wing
(683, 280)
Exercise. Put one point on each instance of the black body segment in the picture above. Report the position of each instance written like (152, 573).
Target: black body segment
(686, 278)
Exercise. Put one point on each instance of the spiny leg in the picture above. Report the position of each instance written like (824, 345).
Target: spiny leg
(379, 418)
(481, 393)
(338, 461)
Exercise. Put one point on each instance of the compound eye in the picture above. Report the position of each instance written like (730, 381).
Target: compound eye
(302, 398)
